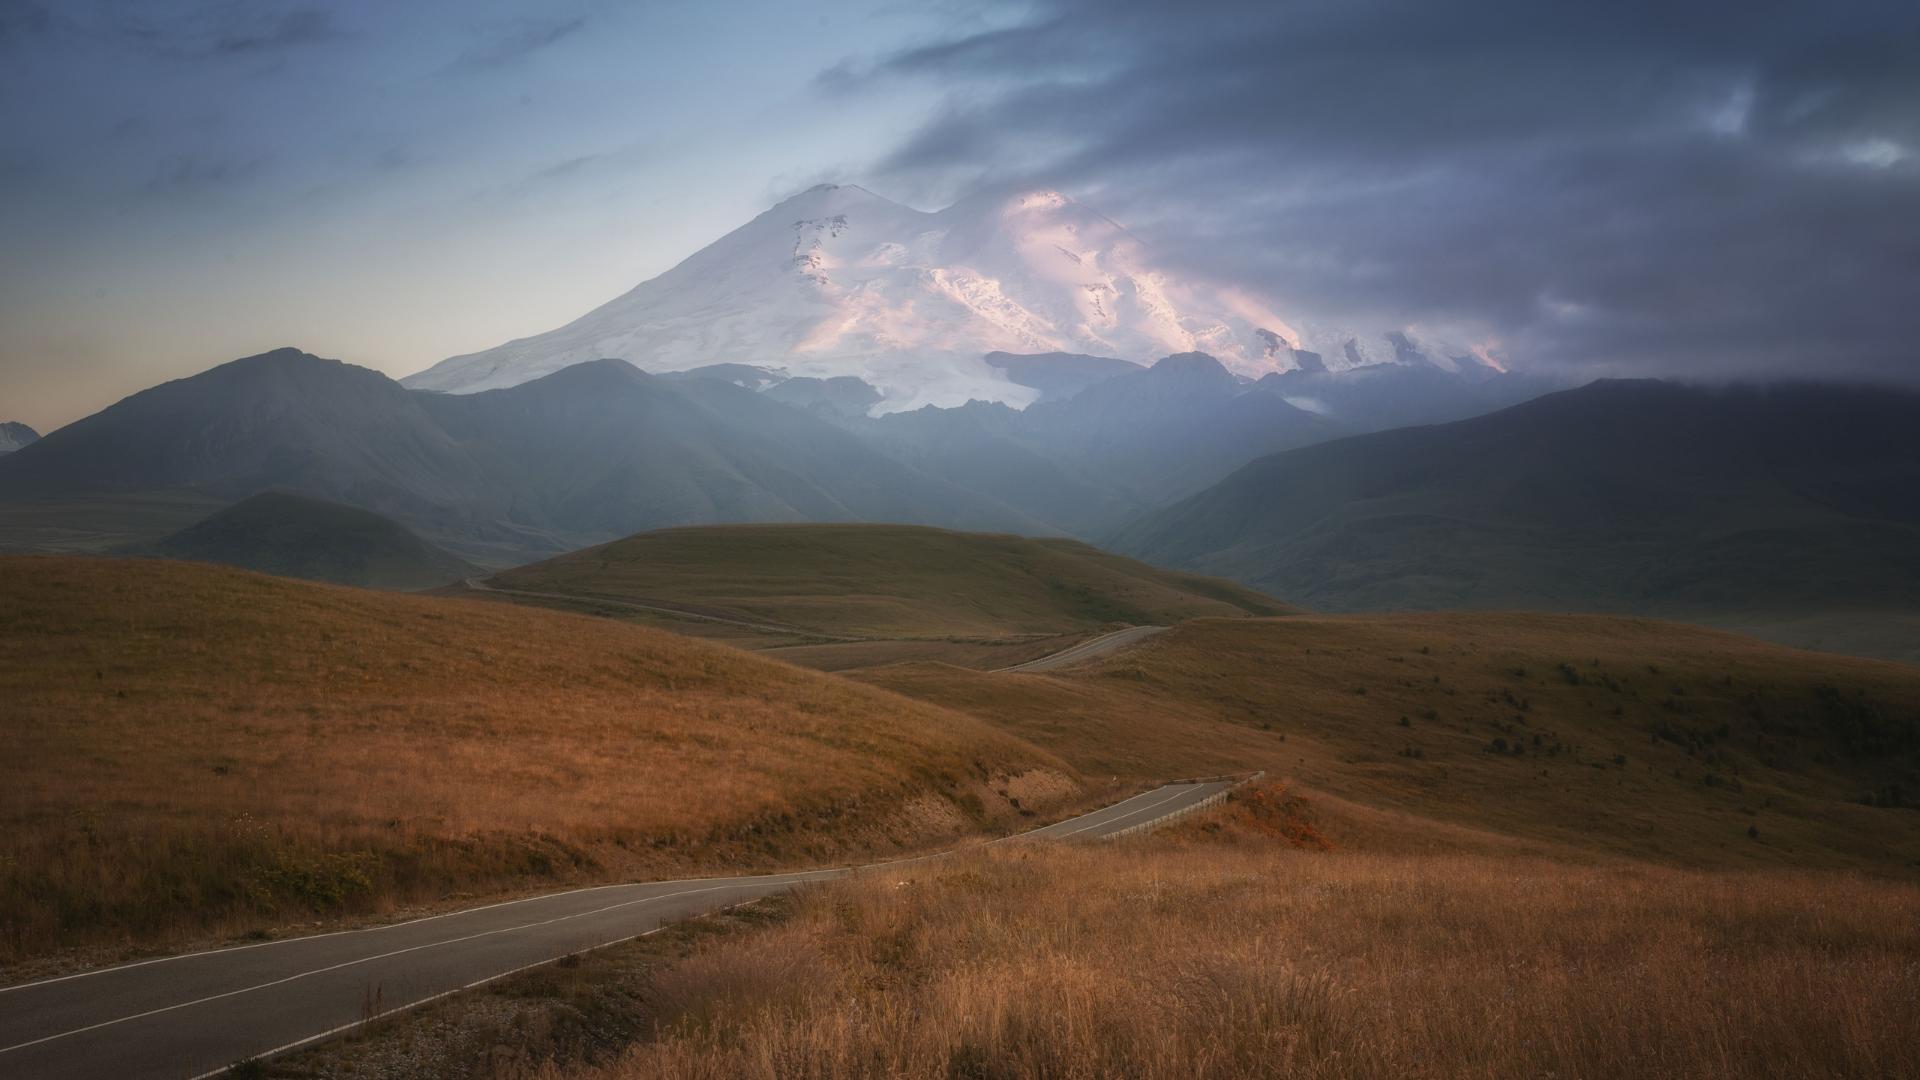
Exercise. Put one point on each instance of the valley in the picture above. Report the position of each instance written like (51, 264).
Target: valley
(211, 755)
(1650, 739)
(300, 651)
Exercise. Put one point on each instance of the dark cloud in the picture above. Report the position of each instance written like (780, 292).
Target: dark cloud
(210, 29)
(22, 19)
(189, 174)
(1693, 187)
(519, 42)
(290, 30)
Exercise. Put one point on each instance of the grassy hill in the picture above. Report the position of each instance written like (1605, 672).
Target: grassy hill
(888, 581)
(291, 536)
(194, 748)
(1588, 734)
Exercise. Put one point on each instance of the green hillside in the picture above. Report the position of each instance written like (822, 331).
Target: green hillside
(887, 581)
(291, 536)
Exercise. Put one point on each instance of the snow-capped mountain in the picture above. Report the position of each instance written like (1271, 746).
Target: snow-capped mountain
(15, 435)
(838, 281)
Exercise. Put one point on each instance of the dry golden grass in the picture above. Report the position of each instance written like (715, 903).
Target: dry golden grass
(1622, 736)
(1182, 957)
(887, 581)
(192, 748)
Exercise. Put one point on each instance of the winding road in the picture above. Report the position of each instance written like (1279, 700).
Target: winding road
(196, 1014)
(1087, 650)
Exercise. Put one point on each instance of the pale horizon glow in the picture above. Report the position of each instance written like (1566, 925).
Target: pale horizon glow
(407, 186)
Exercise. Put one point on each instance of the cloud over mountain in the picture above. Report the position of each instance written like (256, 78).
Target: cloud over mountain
(1696, 187)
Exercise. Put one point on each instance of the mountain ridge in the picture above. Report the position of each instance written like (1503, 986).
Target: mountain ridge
(591, 453)
(1635, 496)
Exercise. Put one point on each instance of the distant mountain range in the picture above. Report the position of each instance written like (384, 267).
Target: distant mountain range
(926, 307)
(1121, 445)
(1623, 496)
(601, 450)
(590, 453)
(1111, 439)
(1792, 511)
(292, 536)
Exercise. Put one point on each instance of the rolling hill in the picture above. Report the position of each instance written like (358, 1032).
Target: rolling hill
(1744, 504)
(293, 536)
(887, 581)
(1578, 735)
(196, 748)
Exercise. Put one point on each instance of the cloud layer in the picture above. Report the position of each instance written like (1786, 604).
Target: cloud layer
(1691, 188)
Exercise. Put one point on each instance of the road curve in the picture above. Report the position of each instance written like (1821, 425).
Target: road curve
(1087, 650)
(196, 1014)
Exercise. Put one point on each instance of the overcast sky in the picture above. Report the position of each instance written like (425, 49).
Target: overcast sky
(1662, 188)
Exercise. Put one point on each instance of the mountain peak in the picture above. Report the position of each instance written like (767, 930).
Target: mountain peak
(285, 354)
(605, 373)
(271, 364)
(14, 435)
(822, 199)
(838, 281)
(285, 367)
(1192, 364)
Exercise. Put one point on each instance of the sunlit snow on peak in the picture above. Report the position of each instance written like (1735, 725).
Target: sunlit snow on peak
(1041, 200)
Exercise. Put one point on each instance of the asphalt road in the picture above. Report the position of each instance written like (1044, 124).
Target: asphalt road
(194, 1015)
(1087, 650)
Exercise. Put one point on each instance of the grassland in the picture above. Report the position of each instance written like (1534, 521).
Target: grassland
(1611, 736)
(1230, 950)
(192, 749)
(887, 581)
(1276, 935)
(1528, 845)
